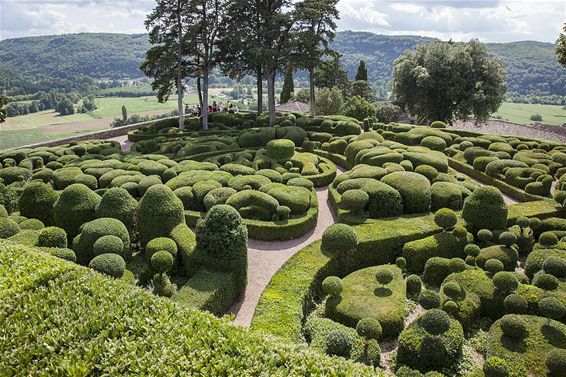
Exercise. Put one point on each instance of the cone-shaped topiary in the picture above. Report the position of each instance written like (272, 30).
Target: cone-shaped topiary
(159, 212)
(485, 209)
(37, 202)
(75, 206)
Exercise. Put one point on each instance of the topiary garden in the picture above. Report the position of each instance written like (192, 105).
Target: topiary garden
(426, 269)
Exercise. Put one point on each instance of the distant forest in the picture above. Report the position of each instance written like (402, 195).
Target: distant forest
(74, 62)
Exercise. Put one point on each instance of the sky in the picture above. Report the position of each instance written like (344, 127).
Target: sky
(459, 20)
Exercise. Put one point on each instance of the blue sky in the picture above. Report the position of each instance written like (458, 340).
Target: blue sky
(487, 20)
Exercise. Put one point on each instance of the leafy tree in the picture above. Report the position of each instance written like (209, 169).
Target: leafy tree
(204, 33)
(331, 73)
(167, 60)
(288, 86)
(387, 112)
(362, 73)
(3, 103)
(358, 107)
(329, 101)
(362, 89)
(561, 47)
(124, 113)
(443, 81)
(65, 107)
(316, 25)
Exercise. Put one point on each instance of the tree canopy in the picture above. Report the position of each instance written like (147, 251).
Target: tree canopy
(561, 48)
(443, 81)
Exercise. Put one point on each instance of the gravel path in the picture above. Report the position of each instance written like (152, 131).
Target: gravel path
(265, 258)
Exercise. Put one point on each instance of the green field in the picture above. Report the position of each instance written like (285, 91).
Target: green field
(520, 113)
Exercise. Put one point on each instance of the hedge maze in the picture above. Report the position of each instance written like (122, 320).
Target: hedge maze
(427, 272)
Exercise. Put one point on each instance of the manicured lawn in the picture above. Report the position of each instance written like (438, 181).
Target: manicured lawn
(521, 112)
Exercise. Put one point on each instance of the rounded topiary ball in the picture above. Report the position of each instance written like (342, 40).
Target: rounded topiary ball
(551, 307)
(110, 264)
(505, 281)
(36, 202)
(556, 362)
(507, 238)
(435, 321)
(332, 285)
(555, 266)
(339, 343)
(535, 223)
(472, 250)
(496, 367)
(460, 231)
(445, 218)
(339, 238)
(453, 290)
(485, 235)
(451, 307)
(280, 149)
(161, 261)
(108, 245)
(384, 276)
(515, 304)
(546, 281)
(354, 200)
(160, 243)
(8, 227)
(369, 328)
(485, 208)
(493, 266)
(414, 285)
(52, 237)
(523, 222)
(513, 326)
(457, 265)
(429, 299)
(75, 207)
(283, 212)
(401, 263)
(548, 239)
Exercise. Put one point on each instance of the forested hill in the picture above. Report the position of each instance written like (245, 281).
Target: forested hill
(531, 66)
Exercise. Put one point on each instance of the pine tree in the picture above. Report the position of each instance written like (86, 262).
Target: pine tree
(124, 113)
(362, 74)
(3, 103)
(288, 86)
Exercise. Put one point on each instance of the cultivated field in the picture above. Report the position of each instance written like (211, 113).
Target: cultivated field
(521, 113)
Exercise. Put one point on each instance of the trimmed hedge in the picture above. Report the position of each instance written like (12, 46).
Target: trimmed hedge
(287, 299)
(29, 278)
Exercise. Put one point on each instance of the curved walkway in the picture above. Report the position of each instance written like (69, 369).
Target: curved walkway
(266, 257)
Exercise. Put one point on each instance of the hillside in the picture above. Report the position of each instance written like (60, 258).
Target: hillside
(532, 67)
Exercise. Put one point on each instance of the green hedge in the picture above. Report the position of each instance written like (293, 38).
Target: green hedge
(125, 330)
(273, 230)
(504, 187)
(289, 295)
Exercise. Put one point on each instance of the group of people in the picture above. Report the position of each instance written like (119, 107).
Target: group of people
(197, 110)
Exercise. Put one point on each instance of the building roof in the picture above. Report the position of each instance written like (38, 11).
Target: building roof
(294, 106)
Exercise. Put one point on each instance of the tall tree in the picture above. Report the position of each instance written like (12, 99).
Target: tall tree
(205, 33)
(3, 103)
(124, 113)
(443, 81)
(167, 60)
(316, 26)
(288, 86)
(362, 73)
(331, 72)
(241, 43)
(561, 47)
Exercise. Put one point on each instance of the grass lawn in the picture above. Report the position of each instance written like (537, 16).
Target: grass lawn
(520, 113)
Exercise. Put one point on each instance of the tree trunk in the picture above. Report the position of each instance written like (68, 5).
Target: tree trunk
(311, 91)
(205, 100)
(259, 90)
(180, 69)
(180, 99)
(271, 95)
(199, 90)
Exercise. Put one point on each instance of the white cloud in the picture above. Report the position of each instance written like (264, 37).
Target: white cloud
(487, 20)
